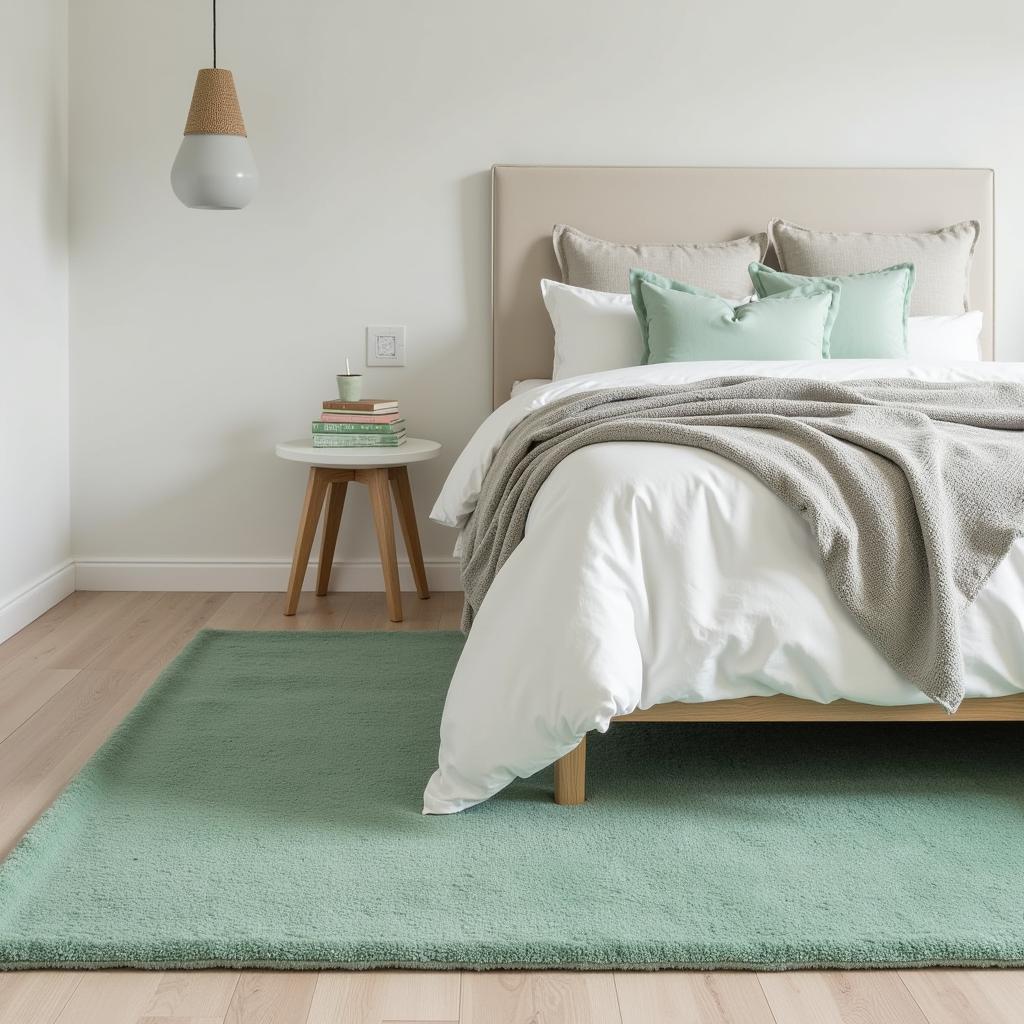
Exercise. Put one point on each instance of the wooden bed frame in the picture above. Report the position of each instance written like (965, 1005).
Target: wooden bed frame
(667, 204)
(571, 770)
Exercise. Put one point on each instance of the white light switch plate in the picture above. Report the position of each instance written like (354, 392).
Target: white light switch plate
(385, 346)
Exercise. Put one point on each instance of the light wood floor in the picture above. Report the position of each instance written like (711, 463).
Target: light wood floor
(71, 676)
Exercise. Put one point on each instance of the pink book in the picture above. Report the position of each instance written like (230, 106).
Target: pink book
(344, 417)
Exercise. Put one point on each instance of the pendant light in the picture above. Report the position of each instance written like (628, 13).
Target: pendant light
(214, 168)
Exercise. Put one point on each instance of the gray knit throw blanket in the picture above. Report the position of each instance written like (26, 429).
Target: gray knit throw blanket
(913, 490)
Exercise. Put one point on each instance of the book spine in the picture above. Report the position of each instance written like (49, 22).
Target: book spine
(337, 405)
(355, 441)
(331, 427)
(347, 417)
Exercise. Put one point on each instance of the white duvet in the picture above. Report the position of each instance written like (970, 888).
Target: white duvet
(653, 573)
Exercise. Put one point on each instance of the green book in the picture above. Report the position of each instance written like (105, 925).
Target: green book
(358, 440)
(320, 427)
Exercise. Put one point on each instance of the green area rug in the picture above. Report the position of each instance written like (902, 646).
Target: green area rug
(262, 806)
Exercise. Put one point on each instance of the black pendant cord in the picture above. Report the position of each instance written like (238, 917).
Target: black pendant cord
(214, 33)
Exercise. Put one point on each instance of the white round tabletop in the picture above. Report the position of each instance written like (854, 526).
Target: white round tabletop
(415, 449)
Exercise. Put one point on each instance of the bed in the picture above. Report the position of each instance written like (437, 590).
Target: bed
(528, 689)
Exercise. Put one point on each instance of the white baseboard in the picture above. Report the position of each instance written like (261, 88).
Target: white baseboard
(249, 576)
(40, 597)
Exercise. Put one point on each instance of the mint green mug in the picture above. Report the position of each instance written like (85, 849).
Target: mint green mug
(350, 386)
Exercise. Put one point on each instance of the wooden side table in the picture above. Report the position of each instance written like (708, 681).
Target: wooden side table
(383, 470)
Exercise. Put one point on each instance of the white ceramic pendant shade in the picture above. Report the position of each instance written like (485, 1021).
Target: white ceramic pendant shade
(214, 168)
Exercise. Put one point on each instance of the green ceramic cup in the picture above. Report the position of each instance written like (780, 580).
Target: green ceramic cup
(350, 386)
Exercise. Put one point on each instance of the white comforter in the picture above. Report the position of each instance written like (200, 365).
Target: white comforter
(653, 573)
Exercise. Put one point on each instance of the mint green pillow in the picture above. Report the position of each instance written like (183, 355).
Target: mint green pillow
(680, 323)
(870, 322)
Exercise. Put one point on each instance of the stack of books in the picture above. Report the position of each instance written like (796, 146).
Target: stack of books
(370, 423)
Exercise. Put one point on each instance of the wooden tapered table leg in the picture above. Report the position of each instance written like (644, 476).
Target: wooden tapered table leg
(571, 776)
(407, 518)
(332, 521)
(316, 488)
(380, 499)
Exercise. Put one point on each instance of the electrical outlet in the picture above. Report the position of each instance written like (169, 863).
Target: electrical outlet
(385, 346)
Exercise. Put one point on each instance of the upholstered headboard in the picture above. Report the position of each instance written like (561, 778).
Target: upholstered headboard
(677, 204)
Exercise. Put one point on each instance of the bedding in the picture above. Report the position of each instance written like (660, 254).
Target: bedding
(870, 319)
(519, 386)
(942, 339)
(651, 573)
(603, 266)
(913, 490)
(594, 331)
(941, 259)
(945, 338)
(680, 322)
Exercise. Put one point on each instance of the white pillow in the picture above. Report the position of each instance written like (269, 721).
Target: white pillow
(944, 339)
(594, 331)
(519, 386)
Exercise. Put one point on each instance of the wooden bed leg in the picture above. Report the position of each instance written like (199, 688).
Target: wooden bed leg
(571, 776)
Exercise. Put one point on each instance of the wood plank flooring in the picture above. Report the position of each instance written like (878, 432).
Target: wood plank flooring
(68, 678)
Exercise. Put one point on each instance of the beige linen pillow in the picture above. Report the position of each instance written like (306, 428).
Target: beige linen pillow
(602, 266)
(942, 259)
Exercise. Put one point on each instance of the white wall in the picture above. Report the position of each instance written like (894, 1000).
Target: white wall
(200, 338)
(34, 504)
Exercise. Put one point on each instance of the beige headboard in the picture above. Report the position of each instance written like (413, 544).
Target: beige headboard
(675, 204)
